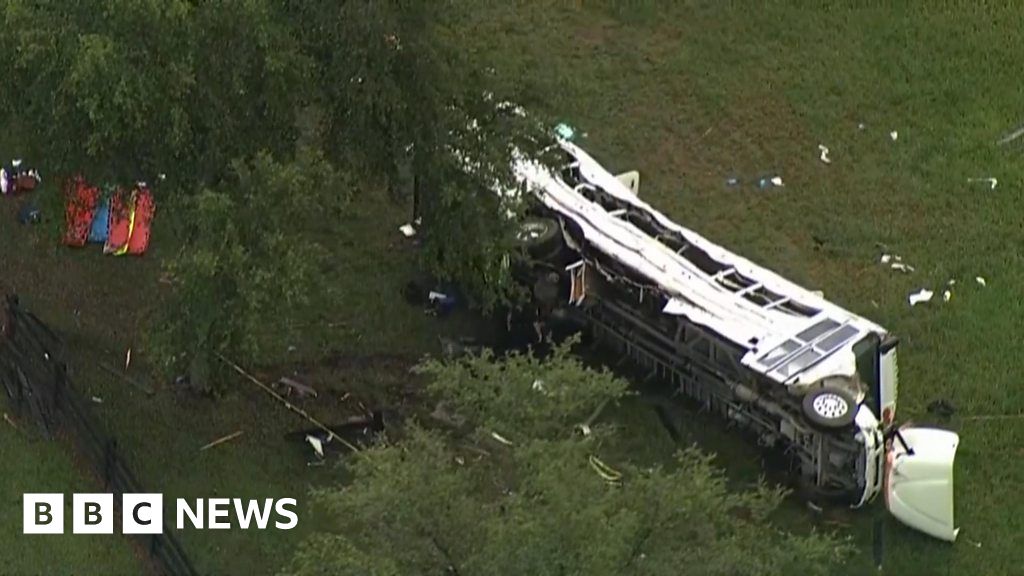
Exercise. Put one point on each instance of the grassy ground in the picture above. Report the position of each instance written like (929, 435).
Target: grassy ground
(37, 466)
(690, 93)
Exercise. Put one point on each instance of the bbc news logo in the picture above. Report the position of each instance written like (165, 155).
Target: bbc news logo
(143, 513)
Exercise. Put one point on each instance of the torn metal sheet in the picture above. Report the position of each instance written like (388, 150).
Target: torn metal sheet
(923, 295)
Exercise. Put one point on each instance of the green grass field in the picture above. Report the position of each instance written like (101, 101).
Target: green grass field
(689, 93)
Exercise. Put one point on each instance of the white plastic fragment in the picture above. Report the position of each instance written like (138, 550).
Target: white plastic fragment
(902, 267)
(923, 295)
(886, 258)
(777, 180)
(946, 296)
(991, 181)
(538, 385)
(407, 230)
(894, 135)
(824, 154)
(584, 429)
(980, 280)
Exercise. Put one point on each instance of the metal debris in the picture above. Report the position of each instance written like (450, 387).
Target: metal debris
(991, 181)
(824, 154)
(923, 295)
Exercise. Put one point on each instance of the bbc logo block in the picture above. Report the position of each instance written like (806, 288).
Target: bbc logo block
(93, 514)
(144, 513)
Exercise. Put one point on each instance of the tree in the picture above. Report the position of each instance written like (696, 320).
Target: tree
(533, 500)
(394, 78)
(250, 256)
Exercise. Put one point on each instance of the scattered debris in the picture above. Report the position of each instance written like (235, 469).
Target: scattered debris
(298, 388)
(980, 280)
(895, 261)
(8, 419)
(584, 429)
(127, 359)
(991, 181)
(501, 439)
(1011, 136)
(946, 296)
(894, 135)
(317, 444)
(769, 182)
(732, 182)
(923, 295)
(407, 230)
(222, 440)
(815, 508)
(29, 214)
(605, 471)
(286, 403)
(15, 179)
(538, 385)
(564, 131)
(824, 154)
(97, 400)
(861, 126)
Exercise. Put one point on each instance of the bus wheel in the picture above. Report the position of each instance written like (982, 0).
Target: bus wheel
(829, 408)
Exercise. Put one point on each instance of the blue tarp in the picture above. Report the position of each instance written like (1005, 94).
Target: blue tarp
(100, 222)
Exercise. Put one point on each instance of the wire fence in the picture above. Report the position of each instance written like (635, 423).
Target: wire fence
(34, 376)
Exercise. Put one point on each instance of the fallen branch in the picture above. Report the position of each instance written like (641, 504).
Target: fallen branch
(286, 403)
(222, 440)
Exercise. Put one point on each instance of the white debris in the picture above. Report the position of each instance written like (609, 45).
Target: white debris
(894, 135)
(818, 293)
(895, 261)
(584, 429)
(991, 181)
(824, 154)
(777, 180)
(946, 296)
(924, 295)
(860, 126)
(951, 282)
(317, 444)
(97, 400)
(980, 280)
(501, 439)
(407, 230)
(538, 385)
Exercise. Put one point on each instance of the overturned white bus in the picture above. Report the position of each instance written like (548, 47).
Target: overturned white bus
(800, 372)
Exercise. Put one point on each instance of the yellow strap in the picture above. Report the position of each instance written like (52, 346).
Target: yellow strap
(131, 226)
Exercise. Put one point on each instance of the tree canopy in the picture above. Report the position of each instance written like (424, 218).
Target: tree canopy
(538, 497)
(121, 91)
